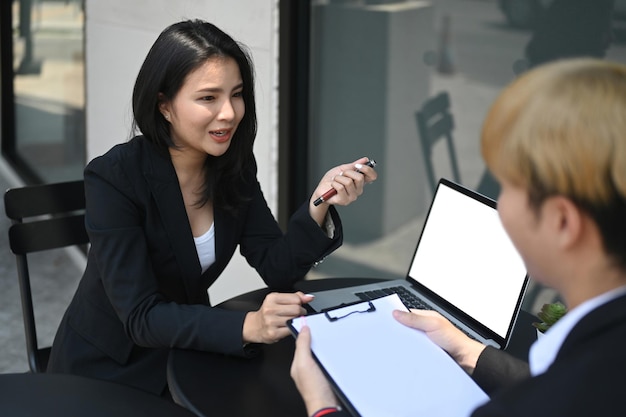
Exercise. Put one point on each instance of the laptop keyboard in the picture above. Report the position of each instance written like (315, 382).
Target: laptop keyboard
(408, 299)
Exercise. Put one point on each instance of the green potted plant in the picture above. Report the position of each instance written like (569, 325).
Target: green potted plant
(550, 313)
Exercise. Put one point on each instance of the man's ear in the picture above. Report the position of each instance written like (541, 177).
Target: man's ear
(568, 220)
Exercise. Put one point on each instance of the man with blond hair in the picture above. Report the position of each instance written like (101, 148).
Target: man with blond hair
(556, 141)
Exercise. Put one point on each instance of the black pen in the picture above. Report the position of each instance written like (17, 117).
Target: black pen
(328, 194)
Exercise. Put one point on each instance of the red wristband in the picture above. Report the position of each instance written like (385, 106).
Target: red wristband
(326, 410)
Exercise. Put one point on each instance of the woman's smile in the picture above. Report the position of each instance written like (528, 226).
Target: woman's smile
(221, 136)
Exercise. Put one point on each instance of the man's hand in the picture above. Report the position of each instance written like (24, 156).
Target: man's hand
(310, 381)
(439, 329)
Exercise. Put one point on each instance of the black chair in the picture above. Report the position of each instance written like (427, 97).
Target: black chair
(43, 217)
(434, 123)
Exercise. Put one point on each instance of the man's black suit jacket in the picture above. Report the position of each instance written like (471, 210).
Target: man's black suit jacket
(143, 291)
(587, 378)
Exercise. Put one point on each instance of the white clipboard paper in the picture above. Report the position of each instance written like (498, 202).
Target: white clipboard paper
(379, 367)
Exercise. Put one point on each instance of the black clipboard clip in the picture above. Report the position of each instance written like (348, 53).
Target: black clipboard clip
(371, 308)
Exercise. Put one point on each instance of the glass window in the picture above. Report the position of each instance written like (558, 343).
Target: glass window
(48, 84)
(373, 64)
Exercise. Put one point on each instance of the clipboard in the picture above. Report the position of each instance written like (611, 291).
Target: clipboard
(379, 367)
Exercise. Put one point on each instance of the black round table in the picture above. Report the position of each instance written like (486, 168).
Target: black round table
(50, 395)
(211, 384)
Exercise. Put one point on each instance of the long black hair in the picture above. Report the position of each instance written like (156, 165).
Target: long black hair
(180, 49)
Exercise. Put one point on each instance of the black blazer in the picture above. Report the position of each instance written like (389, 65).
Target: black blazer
(587, 378)
(497, 369)
(143, 292)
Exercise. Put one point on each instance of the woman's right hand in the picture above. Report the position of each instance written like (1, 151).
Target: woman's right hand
(269, 323)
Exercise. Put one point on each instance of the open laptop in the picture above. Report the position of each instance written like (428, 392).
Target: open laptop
(464, 266)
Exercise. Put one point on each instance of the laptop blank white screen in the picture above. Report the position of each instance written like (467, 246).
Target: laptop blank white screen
(466, 257)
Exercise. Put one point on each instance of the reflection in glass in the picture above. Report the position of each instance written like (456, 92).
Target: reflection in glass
(49, 87)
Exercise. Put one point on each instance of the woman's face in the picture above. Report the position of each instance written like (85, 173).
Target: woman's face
(206, 111)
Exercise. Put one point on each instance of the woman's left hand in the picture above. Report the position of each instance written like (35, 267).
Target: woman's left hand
(347, 180)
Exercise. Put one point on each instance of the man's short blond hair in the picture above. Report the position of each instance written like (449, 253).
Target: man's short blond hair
(560, 129)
